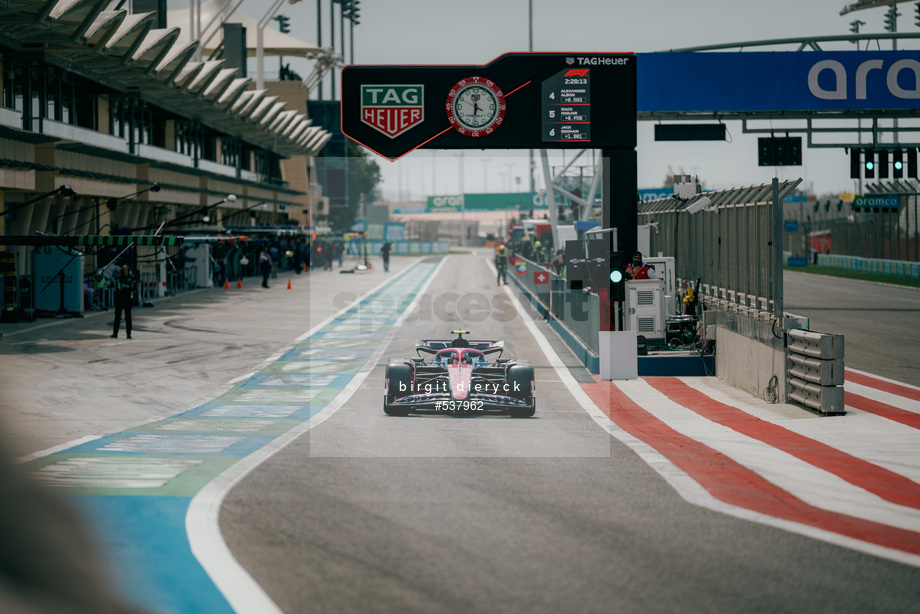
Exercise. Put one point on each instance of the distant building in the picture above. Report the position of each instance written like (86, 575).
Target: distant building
(111, 103)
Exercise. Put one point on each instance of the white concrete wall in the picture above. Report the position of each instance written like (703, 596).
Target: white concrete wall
(748, 364)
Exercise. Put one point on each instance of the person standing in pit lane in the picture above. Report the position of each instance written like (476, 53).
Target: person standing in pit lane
(124, 300)
(338, 251)
(501, 264)
(385, 254)
(265, 265)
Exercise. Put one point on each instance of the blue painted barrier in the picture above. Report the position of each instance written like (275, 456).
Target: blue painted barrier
(875, 266)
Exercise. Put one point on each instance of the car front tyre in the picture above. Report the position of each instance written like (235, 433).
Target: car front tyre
(401, 411)
(519, 377)
(400, 376)
(524, 412)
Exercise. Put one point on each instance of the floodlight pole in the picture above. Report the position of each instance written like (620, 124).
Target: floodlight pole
(460, 189)
(332, 45)
(260, 45)
(530, 48)
(319, 41)
(550, 197)
(777, 234)
(213, 26)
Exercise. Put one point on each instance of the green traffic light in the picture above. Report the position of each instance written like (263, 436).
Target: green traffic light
(870, 165)
(616, 276)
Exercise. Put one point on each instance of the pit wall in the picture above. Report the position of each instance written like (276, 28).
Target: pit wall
(748, 354)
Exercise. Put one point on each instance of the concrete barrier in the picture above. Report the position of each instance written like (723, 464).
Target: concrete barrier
(816, 371)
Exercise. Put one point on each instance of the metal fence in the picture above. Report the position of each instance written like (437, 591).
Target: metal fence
(892, 234)
(181, 280)
(146, 290)
(578, 310)
(731, 246)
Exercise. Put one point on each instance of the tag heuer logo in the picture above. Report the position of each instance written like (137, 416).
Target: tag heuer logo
(392, 109)
(570, 61)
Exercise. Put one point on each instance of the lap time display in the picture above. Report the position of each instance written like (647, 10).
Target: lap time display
(566, 106)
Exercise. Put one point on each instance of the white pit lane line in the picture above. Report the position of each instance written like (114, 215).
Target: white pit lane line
(686, 486)
(202, 526)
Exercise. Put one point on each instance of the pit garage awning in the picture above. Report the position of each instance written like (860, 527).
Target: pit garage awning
(126, 51)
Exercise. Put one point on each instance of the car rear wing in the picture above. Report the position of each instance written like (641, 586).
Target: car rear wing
(433, 346)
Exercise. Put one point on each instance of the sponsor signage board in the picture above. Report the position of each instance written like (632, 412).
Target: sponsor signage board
(445, 203)
(650, 194)
(778, 81)
(509, 201)
(392, 109)
(877, 201)
(517, 101)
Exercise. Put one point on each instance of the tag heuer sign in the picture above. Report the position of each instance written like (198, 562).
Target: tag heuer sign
(392, 109)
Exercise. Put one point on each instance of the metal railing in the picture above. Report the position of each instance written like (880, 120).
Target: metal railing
(578, 310)
(146, 291)
(181, 280)
(892, 234)
(731, 246)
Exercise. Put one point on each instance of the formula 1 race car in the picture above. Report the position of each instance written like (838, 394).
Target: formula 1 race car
(459, 379)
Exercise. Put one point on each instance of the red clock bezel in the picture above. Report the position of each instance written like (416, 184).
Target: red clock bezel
(488, 128)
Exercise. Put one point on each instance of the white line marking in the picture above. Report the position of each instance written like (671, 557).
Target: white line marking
(201, 522)
(884, 379)
(815, 486)
(888, 398)
(686, 486)
(112, 472)
(229, 385)
(59, 448)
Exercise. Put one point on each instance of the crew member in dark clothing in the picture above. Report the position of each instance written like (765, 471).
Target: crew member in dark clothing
(265, 265)
(124, 299)
(385, 254)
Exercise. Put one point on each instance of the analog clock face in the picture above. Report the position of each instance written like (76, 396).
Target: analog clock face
(475, 106)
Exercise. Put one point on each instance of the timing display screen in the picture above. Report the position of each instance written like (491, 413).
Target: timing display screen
(517, 101)
(566, 109)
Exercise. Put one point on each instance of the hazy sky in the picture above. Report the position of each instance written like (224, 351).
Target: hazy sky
(477, 31)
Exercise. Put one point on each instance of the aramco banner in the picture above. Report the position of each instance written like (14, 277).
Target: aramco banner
(511, 201)
(778, 80)
(877, 201)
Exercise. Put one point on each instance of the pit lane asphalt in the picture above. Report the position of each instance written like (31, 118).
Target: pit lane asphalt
(65, 379)
(432, 513)
(429, 513)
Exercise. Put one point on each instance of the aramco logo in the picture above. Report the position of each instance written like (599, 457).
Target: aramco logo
(392, 109)
(906, 89)
(445, 203)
